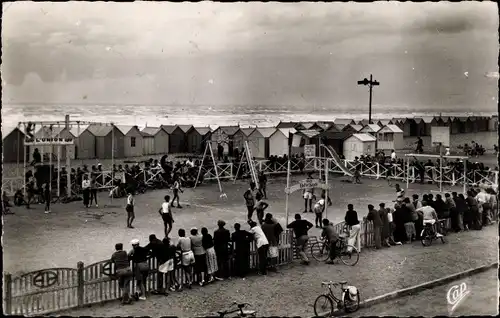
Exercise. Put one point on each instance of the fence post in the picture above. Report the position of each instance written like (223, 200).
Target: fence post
(378, 170)
(365, 226)
(8, 294)
(81, 283)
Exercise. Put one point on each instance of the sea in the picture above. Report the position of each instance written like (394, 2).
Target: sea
(197, 115)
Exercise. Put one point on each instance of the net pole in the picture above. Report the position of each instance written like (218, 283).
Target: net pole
(440, 167)
(50, 164)
(18, 150)
(42, 148)
(465, 177)
(327, 184)
(59, 169)
(112, 160)
(407, 173)
(24, 163)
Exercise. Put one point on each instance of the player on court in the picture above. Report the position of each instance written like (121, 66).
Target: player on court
(166, 215)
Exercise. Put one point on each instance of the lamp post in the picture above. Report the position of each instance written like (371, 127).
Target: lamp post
(370, 83)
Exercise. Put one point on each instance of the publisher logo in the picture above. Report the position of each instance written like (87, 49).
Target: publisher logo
(455, 295)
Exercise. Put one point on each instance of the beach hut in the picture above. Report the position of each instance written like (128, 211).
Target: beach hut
(177, 138)
(406, 125)
(84, 142)
(13, 146)
(60, 131)
(160, 139)
(148, 144)
(308, 137)
(383, 122)
(334, 137)
(358, 145)
(258, 141)
(341, 123)
(224, 135)
(240, 137)
(133, 141)
(287, 124)
(493, 123)
(278, 141)
(104, 141)
(197, 138)
(371, 129)
(390, 137)
(352, 128)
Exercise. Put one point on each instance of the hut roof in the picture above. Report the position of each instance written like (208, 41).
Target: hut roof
(364, 137)
(266, 132)
(185, 128)
(125, 129)
(309, 133)
(151, 130)
(203, 130)
(247, 131)
(100, 130)
(371, 127)
(391, 128)
(78, 130)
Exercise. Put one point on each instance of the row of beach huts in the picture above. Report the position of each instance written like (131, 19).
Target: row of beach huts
(349, 137)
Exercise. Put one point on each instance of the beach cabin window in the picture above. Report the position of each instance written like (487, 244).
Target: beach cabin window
(368, 148)
(132, 141)
(353, 147)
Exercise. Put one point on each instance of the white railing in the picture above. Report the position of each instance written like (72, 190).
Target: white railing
(228, 170)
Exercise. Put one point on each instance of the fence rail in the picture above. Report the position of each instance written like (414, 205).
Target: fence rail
(227, 171)
(55, 289)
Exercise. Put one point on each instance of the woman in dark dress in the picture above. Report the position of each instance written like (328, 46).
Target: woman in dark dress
(463, 214)
(399, 219)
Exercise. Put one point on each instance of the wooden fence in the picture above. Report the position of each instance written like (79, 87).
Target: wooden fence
(227, 171)
(51, 290)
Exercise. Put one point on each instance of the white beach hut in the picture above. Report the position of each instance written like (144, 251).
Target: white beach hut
(278, 141)
(359, 144)
(390, 137)
(259, 142)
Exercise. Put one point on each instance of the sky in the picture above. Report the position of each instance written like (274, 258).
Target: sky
(425, 55)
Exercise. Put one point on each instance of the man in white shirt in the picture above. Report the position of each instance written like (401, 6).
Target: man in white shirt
(429, 215)
(130, 209)
(86, 190)
(483, 199)
(262, 245)
(393, 155)
(166, 215)
(190, 163)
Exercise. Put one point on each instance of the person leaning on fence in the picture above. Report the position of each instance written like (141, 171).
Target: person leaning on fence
(187, 256)
(139, 257)
(200, 256)
(211, 258)
(351, 219)
(262, 245)
(410, 216)
(122, 267)
(168, 267)
(272, 231)
(300, 229)
(374, 216)
(222, 238)
(241, 240)
(332, 238)
(158, 251)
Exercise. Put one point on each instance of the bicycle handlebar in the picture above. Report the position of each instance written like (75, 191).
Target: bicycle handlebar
(332, 283)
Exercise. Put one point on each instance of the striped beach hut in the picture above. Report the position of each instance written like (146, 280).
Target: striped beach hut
(148, 144)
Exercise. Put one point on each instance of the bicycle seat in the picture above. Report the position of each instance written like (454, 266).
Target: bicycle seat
(343, 282)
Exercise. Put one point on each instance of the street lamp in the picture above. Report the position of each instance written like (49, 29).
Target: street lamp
(370, 83)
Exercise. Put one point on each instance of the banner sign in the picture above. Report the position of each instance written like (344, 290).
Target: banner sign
(48, 141)
(310, 151)
(307, 183)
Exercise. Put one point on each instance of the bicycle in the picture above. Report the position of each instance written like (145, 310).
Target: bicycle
(320, 251)
(349, 301)
(239, 311)
(429, 234)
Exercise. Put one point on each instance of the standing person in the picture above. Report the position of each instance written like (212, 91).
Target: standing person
(46, 197)
(222, 238)
(272, 231)
(399, 219)
(409, 216)
(493, 204)
(429, 216)
(386, 225)
(452, 208)
(241, 240)
(208, 244)
(300, 229)
(483, 200)
(93, 189)
(374, 216)
(86, 190)
(139, 257)
(462, 212)
(159, 251)
(474, 211)
(249, 200)
(176, 189)
(166, 215)
(400, 193)
(420, 146)
(200, 257)
(260, 207)
(262, 245)
(351, 220)
(130, 209)
(416, 202)
(168, 267)
(187, 260)
(263, 184)
(122, 267)
(319, 208)
(308, 195)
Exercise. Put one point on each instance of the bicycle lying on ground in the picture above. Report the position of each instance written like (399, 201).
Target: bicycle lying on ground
(429, 234)
(349, 300)
(239, 311)
(320, 251)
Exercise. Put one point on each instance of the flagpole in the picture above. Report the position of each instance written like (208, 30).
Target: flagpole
(288, 178)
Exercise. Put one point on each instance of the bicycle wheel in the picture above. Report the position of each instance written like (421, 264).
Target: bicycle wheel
(320, 251)
(323, 306)
(351, 305)
(349, 258)
(426, 238)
